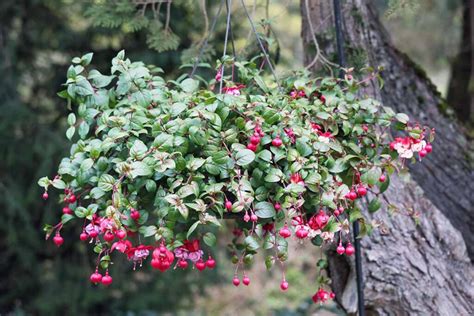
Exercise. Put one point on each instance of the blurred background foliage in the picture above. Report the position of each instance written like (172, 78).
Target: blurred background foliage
(38, 38)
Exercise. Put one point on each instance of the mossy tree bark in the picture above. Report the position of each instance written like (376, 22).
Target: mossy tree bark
(422, 269)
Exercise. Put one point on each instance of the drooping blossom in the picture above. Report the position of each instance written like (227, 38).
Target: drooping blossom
(407, 146)
(296, 94)
(296, 179)
(322, 296)
(324, 137)
(189, 251)
(107, 224)
(162, 258)
(123, 246)
(291, 134)
(139, 253)
(234, 90)
(319, 220)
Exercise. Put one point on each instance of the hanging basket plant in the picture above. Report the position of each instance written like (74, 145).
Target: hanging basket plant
(156, 166)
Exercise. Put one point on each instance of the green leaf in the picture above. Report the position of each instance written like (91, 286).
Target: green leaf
(97, 193)
(251, 243)
(58, 184)
(43, 182)
(139, 168)
(374, 205)
(355, 214)
(66, 218)
(71, 119)
(295, 188)
(83, 87)
(209, 239)
(138, 150)
(244, 157)
(274, 175)
(106, 182)
(339, 166)
(70, 132)
(192, 229)
(86, 59)
(265, 155)
(83, 129)
(303, 148)
(317, 241)
(264, 210)
(269, 261)
(402, 118)
(148, 231)
(189, 85)
(87, 164)
(383, 186)
(178, 108)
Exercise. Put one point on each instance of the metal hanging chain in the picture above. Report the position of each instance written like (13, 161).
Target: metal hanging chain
(204, 45)
(356, 229)
(267, 58)
(228, 5)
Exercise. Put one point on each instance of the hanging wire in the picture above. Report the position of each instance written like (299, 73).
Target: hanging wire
(204, 45)
(228, 5)
(267, 58)
(356, 228)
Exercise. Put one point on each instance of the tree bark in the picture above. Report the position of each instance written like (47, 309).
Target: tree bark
(461, 85)
(421, 269)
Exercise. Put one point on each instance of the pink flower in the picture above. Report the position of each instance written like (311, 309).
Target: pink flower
(139, 253)
(91, 227)
(123, 246)
(107, 224)
(291, 134)
(406, 146)
(296, 178)
(318, 221)
(235, 90)
(324, 137)
(195, 256)
(219, 75)
(181, 253)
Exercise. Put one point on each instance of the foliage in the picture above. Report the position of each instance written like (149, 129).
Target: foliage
(156, 164)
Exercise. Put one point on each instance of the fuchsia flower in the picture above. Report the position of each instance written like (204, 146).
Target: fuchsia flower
(92, 229)
(139, 253)
(296, 178)
(162, 258)
(318, 221)
(234, 90)
(107, 224)
(218, 76)
(316, 127)
(324, 137)
(291, 134)
(189, 251)
(407, 146)
(296, 94)
(322, 296)
(123, 246)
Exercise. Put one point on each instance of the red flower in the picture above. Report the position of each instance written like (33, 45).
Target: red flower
(123, 246)
(138, 253)
(296, 178)
(192, 245)
(162, 258)
(318, 221)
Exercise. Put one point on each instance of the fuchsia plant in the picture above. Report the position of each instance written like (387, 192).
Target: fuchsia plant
(156, 165)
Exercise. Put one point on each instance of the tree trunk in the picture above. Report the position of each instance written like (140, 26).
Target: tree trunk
(421, 269)
(461, 85)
